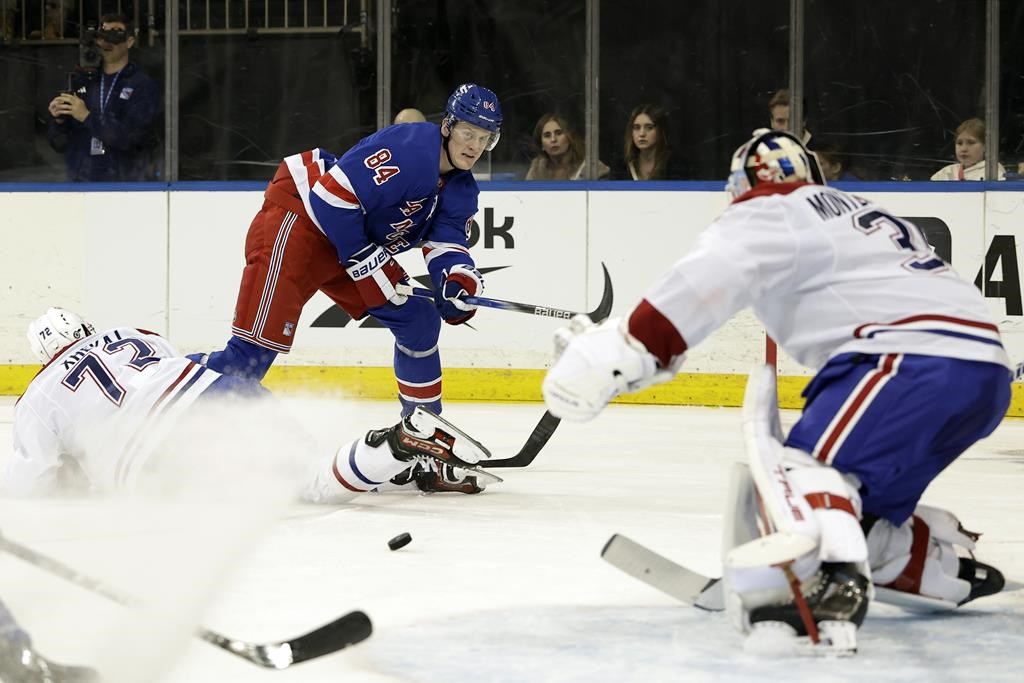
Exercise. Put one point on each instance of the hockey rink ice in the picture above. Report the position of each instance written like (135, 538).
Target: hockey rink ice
(504, 586)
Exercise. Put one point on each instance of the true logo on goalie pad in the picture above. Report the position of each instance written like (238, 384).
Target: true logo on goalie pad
(787, 493)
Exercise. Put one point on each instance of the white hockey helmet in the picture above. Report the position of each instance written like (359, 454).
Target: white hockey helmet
(772, 156)
(55, 329)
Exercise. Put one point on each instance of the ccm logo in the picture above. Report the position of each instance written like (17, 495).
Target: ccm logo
(540, 310)
(432, 448)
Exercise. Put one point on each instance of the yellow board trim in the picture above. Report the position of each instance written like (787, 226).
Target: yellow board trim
(484, 384)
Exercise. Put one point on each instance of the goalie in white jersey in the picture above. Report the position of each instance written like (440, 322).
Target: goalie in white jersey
(109, 409)
(910, 372)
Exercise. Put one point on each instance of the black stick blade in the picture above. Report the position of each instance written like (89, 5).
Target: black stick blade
(540, 435)
(352, 628)
(604, 307)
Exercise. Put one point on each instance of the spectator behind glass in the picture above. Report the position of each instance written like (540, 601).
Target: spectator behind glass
(970, 154)
(104, 126)
(561, 152)
(833, 163)
(646, 149)
(410, 115)
(778, 114)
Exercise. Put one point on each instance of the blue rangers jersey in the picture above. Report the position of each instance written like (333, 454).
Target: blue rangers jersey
(387, 190)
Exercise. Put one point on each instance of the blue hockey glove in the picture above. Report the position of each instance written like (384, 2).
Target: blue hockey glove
(460, 281)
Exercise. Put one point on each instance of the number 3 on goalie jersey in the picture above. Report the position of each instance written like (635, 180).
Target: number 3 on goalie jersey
(906, 236)
(91, 365)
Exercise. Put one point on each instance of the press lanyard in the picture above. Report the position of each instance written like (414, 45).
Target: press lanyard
(105, 99)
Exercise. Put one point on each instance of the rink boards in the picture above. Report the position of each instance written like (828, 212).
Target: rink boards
(170, 261)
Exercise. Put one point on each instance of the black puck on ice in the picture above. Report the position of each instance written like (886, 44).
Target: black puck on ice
(400, 541)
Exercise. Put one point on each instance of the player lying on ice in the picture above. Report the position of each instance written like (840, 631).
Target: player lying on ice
(910, 372)
(107, 407)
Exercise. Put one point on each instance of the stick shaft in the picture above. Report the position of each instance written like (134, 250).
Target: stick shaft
(603, 310)
(533, 309)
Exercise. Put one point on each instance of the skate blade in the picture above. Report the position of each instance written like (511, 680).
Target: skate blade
(466, 448)
(779, 639)
(484, 478)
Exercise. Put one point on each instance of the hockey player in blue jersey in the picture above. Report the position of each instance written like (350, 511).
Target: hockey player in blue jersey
(334, 224)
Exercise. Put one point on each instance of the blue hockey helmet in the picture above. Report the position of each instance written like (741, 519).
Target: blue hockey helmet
(475, 105)
(772, 156)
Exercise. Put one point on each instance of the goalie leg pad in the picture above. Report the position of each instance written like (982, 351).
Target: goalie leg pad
(809, 565)
(920, 558)
(836, 507)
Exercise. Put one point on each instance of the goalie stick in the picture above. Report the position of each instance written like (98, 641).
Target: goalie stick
(659, 572)
(331, 637)
(603, 310)
(697, 590)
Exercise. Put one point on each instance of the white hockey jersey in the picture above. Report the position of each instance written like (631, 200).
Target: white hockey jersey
(827, 273)
(100, 406)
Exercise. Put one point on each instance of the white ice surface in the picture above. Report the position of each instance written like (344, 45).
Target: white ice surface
(503, 586)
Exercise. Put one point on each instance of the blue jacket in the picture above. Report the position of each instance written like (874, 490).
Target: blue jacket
(125, 126)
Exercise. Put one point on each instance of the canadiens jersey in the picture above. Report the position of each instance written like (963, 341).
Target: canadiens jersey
(387, 190)
(98, 408)
(827, 273)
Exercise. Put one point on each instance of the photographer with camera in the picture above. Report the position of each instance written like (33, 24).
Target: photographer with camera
(104, 124)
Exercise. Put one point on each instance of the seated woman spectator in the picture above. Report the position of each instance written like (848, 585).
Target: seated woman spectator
(561, 152)
(833, 162)
(646, 150)
(970, 154)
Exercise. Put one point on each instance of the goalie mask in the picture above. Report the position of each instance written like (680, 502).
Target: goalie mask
(772, 156)
(55, 329)
(478, 106)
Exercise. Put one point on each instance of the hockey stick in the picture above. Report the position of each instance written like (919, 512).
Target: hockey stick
(658, 572)
(604, 307)
(548, 422)
(697, 590)
(336, 635)
(538, 437)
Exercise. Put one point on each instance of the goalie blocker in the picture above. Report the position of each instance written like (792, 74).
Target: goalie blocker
(797, 565)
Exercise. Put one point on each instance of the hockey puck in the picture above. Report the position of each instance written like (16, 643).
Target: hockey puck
(400, 541)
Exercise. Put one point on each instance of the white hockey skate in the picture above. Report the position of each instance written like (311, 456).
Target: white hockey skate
(442, 456)
(825, 624)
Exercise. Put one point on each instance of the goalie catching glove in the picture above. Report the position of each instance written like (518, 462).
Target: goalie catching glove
(920, 558)
(376, 273)
(596, 363)
(459, 282)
